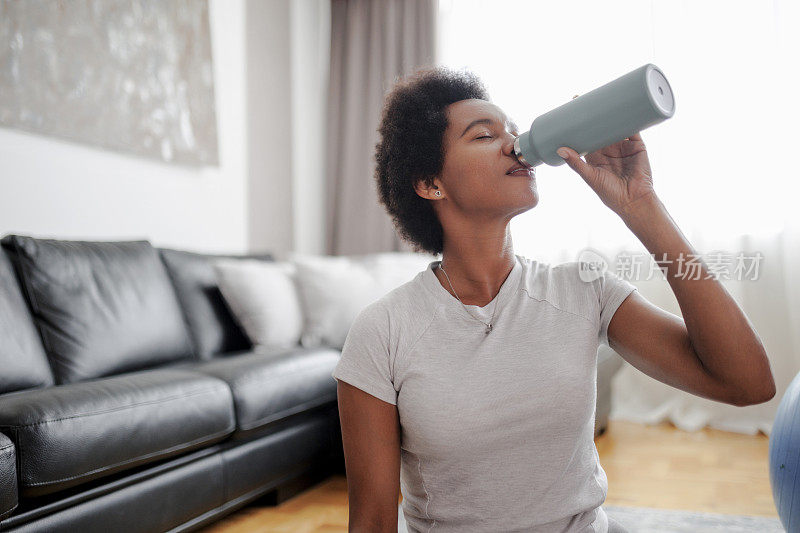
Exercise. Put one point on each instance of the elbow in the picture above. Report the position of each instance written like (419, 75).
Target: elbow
(765, 398)
(755, 399)
(760, 391)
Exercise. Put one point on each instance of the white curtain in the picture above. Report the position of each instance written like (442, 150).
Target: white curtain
(723, 164)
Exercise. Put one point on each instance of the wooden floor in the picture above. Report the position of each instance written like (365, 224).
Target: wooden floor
(649, 466)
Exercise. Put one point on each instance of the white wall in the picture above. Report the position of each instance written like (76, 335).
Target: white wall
(56, 189)
(288, 47)
(269, 127)
(310, 53)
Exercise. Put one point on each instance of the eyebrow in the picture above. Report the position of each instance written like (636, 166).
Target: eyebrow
(486, 121)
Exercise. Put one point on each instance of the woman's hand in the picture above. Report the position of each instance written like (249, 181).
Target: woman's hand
(619, 173)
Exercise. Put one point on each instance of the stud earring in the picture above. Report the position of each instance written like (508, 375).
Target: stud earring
(438, 193)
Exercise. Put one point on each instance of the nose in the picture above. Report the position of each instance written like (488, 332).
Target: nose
(508, 146)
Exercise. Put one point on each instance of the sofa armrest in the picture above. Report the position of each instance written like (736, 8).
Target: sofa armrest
(8, 477)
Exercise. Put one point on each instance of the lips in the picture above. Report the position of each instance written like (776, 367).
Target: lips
(520, 170)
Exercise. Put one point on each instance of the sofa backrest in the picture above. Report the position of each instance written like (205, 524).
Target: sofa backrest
(212, 326)
(23, 363)
(101, 308)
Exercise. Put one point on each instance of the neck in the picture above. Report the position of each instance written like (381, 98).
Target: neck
(477, 262)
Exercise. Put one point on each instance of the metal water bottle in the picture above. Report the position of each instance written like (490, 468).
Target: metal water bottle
(604, 116)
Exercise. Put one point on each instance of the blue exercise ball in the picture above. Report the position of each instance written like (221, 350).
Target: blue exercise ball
(784, 458)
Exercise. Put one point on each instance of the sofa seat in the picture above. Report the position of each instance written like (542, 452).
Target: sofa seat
(77, 432)
(8, 477)
(269, 387)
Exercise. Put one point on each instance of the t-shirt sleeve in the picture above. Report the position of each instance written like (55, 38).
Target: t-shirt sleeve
(613, 291)
(366, 361)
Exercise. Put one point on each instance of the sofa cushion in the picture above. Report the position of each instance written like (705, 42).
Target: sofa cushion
(73, 433)
(211, 323)
(22, 359)
(8, 477)
(102, 308)
(333, 289)
(268, 387)
(263, 298)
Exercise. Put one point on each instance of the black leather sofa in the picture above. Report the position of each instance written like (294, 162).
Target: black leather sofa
(130, 400)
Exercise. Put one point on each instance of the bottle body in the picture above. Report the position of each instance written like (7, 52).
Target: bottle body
(604, 116)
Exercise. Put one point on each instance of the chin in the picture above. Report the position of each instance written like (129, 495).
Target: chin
(529, 198)
(525, 204)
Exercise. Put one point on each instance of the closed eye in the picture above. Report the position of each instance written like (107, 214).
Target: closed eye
(483, 137)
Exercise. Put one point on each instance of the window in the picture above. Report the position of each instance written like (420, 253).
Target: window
(724, 164)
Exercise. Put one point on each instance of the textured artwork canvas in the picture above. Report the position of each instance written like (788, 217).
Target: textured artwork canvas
(132, 76)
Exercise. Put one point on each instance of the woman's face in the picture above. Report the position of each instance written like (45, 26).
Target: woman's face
(479, 160)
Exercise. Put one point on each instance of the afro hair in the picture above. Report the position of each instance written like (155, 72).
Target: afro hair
(411, 148)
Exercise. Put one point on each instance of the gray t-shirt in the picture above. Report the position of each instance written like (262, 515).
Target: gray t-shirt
(497, 430)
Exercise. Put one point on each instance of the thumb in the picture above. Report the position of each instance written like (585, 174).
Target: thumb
(571, 158)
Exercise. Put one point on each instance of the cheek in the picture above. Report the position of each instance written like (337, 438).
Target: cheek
(482, 177)
(473, 167)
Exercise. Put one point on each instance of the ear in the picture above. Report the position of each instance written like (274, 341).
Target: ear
(427, 188)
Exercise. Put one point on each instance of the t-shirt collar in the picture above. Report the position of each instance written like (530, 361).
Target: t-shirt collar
(441, 294)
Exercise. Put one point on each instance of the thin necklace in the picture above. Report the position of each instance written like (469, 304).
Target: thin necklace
(487, 324)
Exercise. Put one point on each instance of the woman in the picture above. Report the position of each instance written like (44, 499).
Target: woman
(473, 385)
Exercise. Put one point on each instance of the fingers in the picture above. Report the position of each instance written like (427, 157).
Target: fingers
(634, 146)
(571, 158)
(629, 146)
